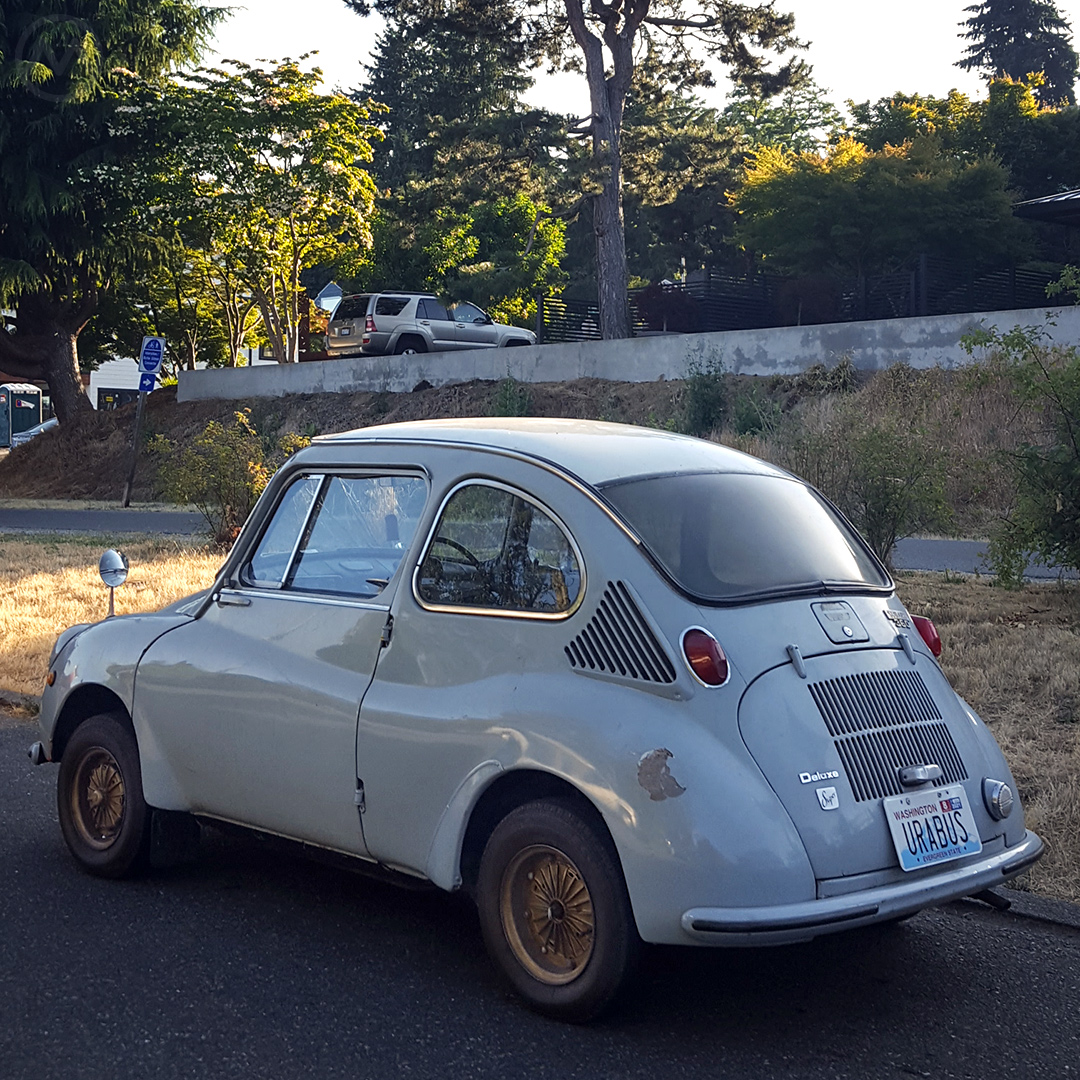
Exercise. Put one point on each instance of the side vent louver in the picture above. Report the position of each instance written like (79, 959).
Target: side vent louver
(618, 641)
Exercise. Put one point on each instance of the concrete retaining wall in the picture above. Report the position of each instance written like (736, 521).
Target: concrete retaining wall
(922, 343)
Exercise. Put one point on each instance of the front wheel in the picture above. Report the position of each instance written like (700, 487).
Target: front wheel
(103, 816)
(554, 911)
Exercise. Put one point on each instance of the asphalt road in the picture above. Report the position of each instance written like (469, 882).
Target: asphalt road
(962, 556)
(246, 964)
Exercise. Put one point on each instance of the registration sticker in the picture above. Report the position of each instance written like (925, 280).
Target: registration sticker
(931, 827)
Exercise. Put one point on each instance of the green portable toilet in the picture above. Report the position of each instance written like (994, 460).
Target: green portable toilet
(20, 409)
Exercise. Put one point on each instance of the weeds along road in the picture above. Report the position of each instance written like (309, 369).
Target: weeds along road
(246, 964)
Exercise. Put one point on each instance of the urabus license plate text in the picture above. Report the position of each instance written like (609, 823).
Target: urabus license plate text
(931, 827)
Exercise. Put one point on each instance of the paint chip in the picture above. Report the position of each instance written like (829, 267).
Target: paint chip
(654, 775)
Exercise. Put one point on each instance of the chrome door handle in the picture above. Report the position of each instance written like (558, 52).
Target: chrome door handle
(232, 600)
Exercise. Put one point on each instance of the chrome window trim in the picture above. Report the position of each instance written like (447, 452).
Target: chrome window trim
(305, 597)
(324, 474)
(500, 613)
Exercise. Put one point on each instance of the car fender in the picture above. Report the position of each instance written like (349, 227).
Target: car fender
(692, 818)
(106, 655)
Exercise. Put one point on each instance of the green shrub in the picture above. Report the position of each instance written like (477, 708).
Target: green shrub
(1044, 521)
(222, 472)
(704, 397)
(755, 413)
(511, 398)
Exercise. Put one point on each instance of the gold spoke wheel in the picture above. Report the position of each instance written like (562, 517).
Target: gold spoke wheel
(547, 914)
(97, 798)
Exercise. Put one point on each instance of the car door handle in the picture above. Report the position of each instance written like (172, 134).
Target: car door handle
(232, 600)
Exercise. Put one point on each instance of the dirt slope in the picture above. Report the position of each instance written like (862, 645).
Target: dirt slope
(88, 459)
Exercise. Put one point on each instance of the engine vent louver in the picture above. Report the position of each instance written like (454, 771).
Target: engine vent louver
(882, 721)
(618, 641)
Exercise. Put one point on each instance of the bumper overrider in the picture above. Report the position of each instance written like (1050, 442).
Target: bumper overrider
(809, 919)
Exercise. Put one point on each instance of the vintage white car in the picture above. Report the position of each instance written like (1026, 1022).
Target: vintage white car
(619, 684)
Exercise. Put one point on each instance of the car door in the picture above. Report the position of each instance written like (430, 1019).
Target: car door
(474, 329)
(436, 319)
(474, 644)
(254, 704)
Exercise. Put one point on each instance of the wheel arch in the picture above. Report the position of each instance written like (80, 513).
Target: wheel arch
(85, 701)
(506, 792)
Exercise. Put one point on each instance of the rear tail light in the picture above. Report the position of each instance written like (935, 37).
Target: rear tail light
(928, 632)
(705, 657)
(369, 325)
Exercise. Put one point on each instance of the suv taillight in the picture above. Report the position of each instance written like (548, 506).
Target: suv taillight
(369, 325)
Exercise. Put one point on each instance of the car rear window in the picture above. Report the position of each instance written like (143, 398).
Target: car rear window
(390, 305)
(352, 307)
(732, 536)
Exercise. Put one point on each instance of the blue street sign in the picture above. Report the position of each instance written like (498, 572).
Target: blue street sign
(151, 354)
(146, 382)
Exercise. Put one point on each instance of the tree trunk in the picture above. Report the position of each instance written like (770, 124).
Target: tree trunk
(612, 277)
(54, 357)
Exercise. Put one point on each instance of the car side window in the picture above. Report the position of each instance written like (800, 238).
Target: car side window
(271, 559)
(390, 305)
(358, 535)
(495, 549)
(432, 309)
(468, 313)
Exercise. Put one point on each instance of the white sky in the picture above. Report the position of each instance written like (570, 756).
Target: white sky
(858, 51)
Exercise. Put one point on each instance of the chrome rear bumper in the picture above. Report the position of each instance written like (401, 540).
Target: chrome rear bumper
(800, 922)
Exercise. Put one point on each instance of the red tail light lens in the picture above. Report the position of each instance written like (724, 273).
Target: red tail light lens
(369, 325)
(705, 657)
(928, 632)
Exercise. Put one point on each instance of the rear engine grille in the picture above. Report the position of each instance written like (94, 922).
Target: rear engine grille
(618, 641)
(882, 721)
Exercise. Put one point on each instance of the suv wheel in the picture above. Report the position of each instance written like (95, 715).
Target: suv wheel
(409, 345)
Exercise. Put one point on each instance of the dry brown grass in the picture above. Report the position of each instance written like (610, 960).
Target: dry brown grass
(1015, 657)
(49, 584)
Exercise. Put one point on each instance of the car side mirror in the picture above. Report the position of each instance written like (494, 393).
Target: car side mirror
(113, 569)
(483, 320)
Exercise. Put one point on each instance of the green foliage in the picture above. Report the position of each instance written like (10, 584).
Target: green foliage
(1019, 37)
(856, 211)
(755, 413)
(802, 118)
(72, 162)
(221, 472)
(1045, 519)
(704, 401)
(511, 399)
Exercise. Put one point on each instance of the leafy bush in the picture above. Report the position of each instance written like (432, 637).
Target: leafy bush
(755, 413)
(1044, 522)
(222, 472)
(511, 399)
(704, 397)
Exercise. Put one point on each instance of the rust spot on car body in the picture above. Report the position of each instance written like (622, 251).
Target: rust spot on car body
(654, 775)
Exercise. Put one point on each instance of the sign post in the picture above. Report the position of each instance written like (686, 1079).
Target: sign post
(150, 357)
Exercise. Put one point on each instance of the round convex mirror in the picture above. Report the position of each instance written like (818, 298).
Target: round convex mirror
(113, 568)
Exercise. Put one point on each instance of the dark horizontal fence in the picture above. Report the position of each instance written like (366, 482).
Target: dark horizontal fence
(717, 301)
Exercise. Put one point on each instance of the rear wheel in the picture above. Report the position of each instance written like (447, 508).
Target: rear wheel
(103, 816)
(409, 346)
(554, 910)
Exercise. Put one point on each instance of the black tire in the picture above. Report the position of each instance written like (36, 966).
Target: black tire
(103, 816)
(555, 913)
(409, 345)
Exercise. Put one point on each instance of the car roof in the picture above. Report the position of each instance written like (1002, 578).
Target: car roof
(594, 451)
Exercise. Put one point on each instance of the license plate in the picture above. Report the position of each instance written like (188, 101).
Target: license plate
(344, 331)
(931, 827)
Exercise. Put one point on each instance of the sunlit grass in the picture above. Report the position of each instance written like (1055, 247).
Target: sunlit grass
(49, 583)
(1015, 657)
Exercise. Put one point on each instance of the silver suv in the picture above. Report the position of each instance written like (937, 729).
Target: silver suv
(374, 324)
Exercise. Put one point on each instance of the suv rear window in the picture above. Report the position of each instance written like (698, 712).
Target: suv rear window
(734, 536)
(391, 305)
(352, 307)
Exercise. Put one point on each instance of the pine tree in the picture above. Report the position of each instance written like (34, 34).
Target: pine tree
(1020, 37)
